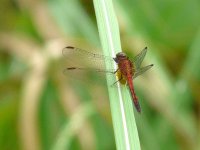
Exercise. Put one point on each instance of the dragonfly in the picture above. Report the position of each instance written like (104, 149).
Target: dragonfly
(126, 71)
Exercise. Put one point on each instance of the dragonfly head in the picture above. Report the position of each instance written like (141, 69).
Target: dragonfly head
(120, 56)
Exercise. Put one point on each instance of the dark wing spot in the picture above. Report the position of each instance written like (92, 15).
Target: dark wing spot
(70, 47)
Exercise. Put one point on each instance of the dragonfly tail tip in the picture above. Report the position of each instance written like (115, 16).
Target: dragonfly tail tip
(137, 106)
(139, 109)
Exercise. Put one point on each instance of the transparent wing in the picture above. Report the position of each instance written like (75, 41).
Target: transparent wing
(139, 58)
(81, 52)
(88, 75)
(76, 57)
(79, 63)
(79, 70)
(142, 70)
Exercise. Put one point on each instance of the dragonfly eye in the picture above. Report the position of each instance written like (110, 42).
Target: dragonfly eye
(121, 55)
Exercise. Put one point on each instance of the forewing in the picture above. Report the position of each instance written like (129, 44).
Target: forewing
(80, 64)
(76, 57)
(142, 70)
(139, 58)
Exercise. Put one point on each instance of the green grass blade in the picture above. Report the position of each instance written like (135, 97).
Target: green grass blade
(126, 134)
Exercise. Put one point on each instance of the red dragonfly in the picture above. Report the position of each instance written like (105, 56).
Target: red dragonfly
(127, 70)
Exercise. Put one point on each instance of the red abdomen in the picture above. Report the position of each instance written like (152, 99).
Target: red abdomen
(127, 70)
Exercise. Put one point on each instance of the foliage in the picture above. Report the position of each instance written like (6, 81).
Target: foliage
(38, 104)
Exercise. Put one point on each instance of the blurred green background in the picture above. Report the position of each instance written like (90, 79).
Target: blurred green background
(38, 103)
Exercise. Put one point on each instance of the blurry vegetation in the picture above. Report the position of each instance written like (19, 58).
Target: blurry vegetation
(37, 102)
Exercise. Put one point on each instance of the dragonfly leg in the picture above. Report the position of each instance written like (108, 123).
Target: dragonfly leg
(116, 70)
(118, 80)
